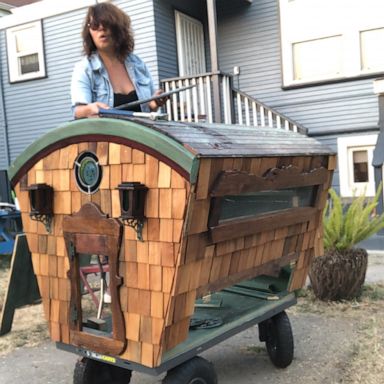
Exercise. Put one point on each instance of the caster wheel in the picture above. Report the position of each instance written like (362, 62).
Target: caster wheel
(277, 334)
(89, 371)
(194, 371)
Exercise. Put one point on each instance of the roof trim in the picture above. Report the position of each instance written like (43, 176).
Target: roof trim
(116, 131)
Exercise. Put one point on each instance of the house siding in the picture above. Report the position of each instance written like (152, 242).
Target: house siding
(249, 37)
(34, 107)
(3, 122)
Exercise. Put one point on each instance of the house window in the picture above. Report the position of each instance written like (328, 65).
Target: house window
(360, 165)
(356, 172)
(372, 53)
(323, 40)
(25, 52)
(320, 58)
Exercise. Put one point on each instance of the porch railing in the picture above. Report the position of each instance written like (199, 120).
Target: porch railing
(252, 112)
(196, 104)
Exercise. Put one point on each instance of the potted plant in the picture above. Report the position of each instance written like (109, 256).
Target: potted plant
(340, 273)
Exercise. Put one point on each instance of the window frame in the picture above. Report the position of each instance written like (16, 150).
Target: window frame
(12, 55)
(345, 149)
(232, 183)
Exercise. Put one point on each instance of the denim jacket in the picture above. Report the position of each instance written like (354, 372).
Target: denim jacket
(90, 81)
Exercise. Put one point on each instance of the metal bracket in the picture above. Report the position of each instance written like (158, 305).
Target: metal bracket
(137, 225)
(45, 219)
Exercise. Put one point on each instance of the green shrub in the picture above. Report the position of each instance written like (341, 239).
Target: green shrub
(346, 226)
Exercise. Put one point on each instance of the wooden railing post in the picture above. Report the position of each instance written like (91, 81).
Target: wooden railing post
(212, 30)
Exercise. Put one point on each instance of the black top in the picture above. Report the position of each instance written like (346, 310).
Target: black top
(119, 99)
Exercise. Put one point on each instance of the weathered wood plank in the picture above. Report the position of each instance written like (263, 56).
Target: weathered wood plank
(264, 222)
(236, 183)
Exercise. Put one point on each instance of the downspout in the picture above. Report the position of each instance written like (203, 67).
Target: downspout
(4, 122)
(212, 30)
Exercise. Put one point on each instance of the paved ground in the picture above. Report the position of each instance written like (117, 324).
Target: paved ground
(375, 271)
(241, 359)
(322, 344)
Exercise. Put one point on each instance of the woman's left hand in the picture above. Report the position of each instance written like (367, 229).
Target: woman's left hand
(155, 104)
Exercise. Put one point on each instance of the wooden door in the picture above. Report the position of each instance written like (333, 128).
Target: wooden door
(91, 235)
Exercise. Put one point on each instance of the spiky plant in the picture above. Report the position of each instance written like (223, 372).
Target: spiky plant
(340, 273)
(345, 227)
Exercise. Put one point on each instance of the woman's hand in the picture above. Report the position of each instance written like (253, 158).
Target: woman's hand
(155, 104)
(89, 110)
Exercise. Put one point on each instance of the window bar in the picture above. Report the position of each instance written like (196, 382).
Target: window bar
(194, 99)
(239, 109)
(182, 106)
(262, 116)
(189, 105)
(247, 120)
(174, 103)
(225, 98)
(201, 96)
(278, 121)
(168, 103)
(254, 112)
(209, 99)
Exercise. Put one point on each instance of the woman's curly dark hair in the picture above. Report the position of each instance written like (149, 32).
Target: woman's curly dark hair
(118, 23)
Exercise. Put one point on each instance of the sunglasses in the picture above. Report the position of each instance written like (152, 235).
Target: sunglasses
(94, 25)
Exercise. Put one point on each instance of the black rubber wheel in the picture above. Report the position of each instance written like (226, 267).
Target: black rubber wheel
(279, 339)
(194, 371)
(88, 371)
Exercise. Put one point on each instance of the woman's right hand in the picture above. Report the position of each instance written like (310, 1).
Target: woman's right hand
(89, 110)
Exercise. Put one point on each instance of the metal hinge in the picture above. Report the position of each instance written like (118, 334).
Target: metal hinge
(74, 313)
(71, 251)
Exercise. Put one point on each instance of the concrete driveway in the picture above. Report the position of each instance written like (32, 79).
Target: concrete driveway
(323, 346)
(241, 359)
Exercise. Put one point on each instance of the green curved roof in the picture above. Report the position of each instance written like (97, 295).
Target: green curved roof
(117, 129)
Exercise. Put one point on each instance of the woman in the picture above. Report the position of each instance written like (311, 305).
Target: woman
(110, 74)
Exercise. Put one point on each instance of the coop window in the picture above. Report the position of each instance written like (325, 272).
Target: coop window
(25, 52)
(95, 292)
(258, 203)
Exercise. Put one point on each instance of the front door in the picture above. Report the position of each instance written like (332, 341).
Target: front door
(190, 45)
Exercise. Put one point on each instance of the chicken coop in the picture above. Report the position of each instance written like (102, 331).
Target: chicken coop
(136, 226)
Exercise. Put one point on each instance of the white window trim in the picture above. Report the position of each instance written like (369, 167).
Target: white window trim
(344, 144)
(330, 18)
(13, 67)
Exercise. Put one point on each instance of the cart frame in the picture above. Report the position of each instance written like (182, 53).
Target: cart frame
(265, 307)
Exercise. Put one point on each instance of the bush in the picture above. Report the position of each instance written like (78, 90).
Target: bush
(346, 226)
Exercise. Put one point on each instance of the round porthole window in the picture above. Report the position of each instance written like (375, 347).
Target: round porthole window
(88, 172)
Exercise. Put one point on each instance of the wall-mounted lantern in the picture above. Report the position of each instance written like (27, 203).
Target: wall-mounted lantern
(41, 202)
(132, 203)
